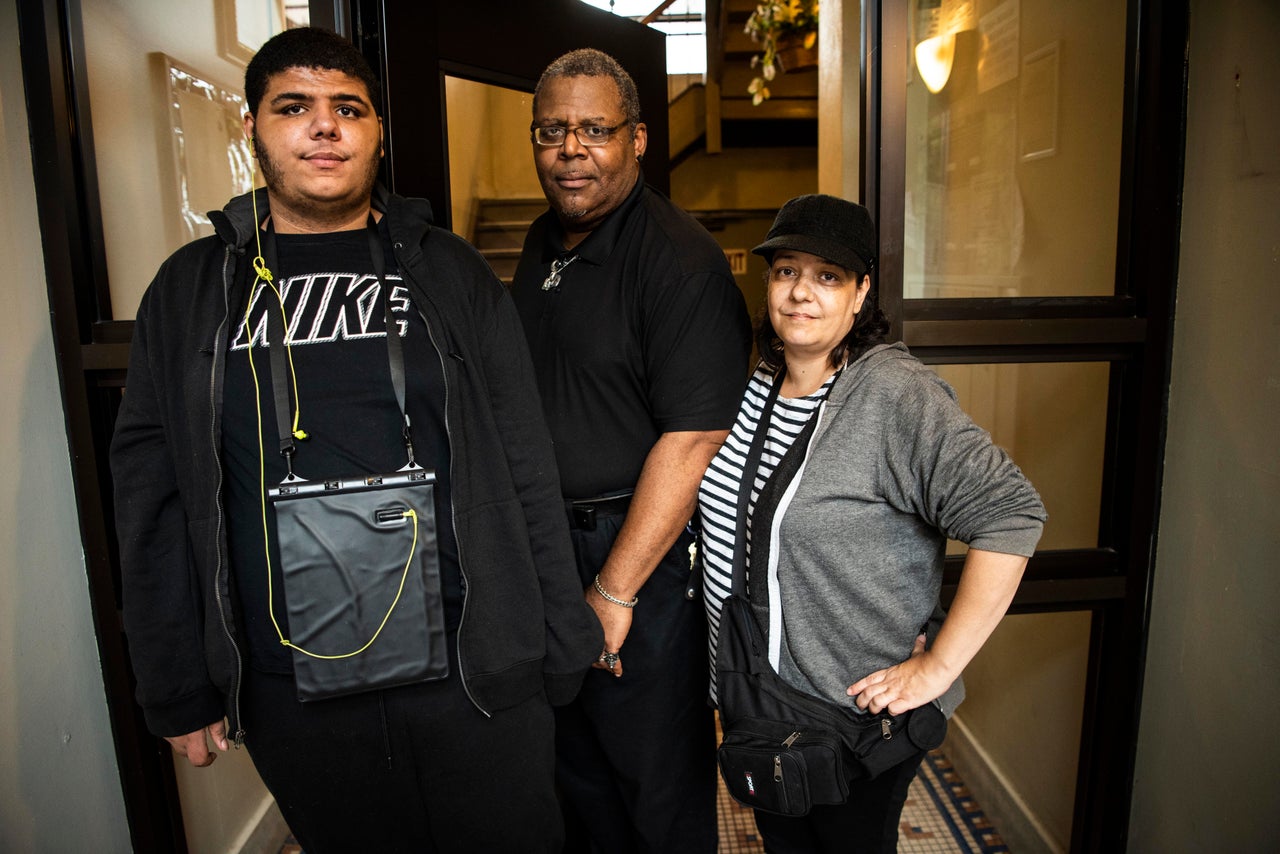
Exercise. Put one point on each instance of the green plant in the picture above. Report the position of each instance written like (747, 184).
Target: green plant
(771, 22)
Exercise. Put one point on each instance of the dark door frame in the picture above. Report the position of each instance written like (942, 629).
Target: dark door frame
(1131, 330)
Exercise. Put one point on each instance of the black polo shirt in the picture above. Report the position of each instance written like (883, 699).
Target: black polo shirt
(647, 333)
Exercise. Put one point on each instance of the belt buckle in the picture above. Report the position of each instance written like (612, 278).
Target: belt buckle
(584, 517)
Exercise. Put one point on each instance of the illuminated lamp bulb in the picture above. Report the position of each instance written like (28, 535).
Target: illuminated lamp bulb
(934, 58)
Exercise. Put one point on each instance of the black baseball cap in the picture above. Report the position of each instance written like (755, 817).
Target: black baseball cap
(832, 228)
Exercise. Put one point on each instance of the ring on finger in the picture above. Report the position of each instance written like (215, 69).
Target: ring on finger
(610, 659)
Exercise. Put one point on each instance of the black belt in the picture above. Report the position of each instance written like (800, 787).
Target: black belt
(584, 512)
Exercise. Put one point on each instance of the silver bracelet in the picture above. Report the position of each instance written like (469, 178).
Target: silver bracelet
(614, 599)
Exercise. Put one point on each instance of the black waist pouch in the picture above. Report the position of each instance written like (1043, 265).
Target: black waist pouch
(784, 750)
(361, 582)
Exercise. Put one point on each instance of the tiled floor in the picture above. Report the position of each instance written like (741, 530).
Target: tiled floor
(940, 817)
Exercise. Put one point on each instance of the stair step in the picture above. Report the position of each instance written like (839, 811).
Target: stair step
(502, 224)
(504, 266)
(500, 252)
(505, 235)
(736, 41)
(801, 84)
(510, 210)
(774, 108)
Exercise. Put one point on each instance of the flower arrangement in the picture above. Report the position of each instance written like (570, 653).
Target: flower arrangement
(774, 22)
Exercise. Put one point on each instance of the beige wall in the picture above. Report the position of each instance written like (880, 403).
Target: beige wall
(840, 125)
(489, 154)
(130, 123)
(746, 178)
(1023, 713)
(59, 783)
(1208, 749)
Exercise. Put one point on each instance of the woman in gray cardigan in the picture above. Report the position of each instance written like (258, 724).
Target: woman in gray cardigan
(846, 565)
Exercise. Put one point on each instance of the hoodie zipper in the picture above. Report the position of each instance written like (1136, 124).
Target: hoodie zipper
(218, 355)
(453, 516)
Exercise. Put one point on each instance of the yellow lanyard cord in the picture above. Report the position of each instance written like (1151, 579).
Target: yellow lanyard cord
(263, 274)
(410, 513)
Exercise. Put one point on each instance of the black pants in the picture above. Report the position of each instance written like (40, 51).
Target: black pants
(867, 823)
(635, 756)
(416, 768)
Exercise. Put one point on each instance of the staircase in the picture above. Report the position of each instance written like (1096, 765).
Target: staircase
(794, 95)
(500, 228)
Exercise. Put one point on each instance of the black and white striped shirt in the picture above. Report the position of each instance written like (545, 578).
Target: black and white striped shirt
(718, 493)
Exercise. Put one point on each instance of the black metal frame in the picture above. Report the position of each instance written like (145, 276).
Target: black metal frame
(91, 352)
(1131, 330)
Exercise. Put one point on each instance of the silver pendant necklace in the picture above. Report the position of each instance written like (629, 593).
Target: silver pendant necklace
(552, 281)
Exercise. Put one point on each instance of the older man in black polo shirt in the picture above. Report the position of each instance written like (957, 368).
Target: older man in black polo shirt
(640, 339)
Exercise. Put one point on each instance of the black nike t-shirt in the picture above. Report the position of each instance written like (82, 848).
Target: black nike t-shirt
(347, 406)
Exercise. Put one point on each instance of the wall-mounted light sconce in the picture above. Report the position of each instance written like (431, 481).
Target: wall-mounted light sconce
(934, 58)
(937, 23)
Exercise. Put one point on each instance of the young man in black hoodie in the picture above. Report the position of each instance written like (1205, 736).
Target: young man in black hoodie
(460, 761)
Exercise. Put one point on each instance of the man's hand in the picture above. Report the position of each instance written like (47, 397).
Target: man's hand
(616, 621)
(195, 745)
(665, 498)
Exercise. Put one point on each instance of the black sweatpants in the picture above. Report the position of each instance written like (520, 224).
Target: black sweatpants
(415, 768)
(635, 756)
(867, 823)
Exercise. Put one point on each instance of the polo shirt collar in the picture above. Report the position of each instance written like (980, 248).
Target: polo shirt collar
(598, 245)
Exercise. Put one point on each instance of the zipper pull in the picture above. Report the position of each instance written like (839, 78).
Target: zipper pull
(886, 729)
(238, 738)
(790, 740)
(777, 768)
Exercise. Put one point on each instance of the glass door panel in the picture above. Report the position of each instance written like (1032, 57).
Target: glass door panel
(166, 80)
(1014, 116)
(1024, 408)
(1018, 729)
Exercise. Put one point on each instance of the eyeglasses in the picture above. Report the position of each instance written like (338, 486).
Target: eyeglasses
(590, 135)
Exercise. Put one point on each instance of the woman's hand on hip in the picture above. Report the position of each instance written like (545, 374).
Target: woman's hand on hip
(916, 681)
